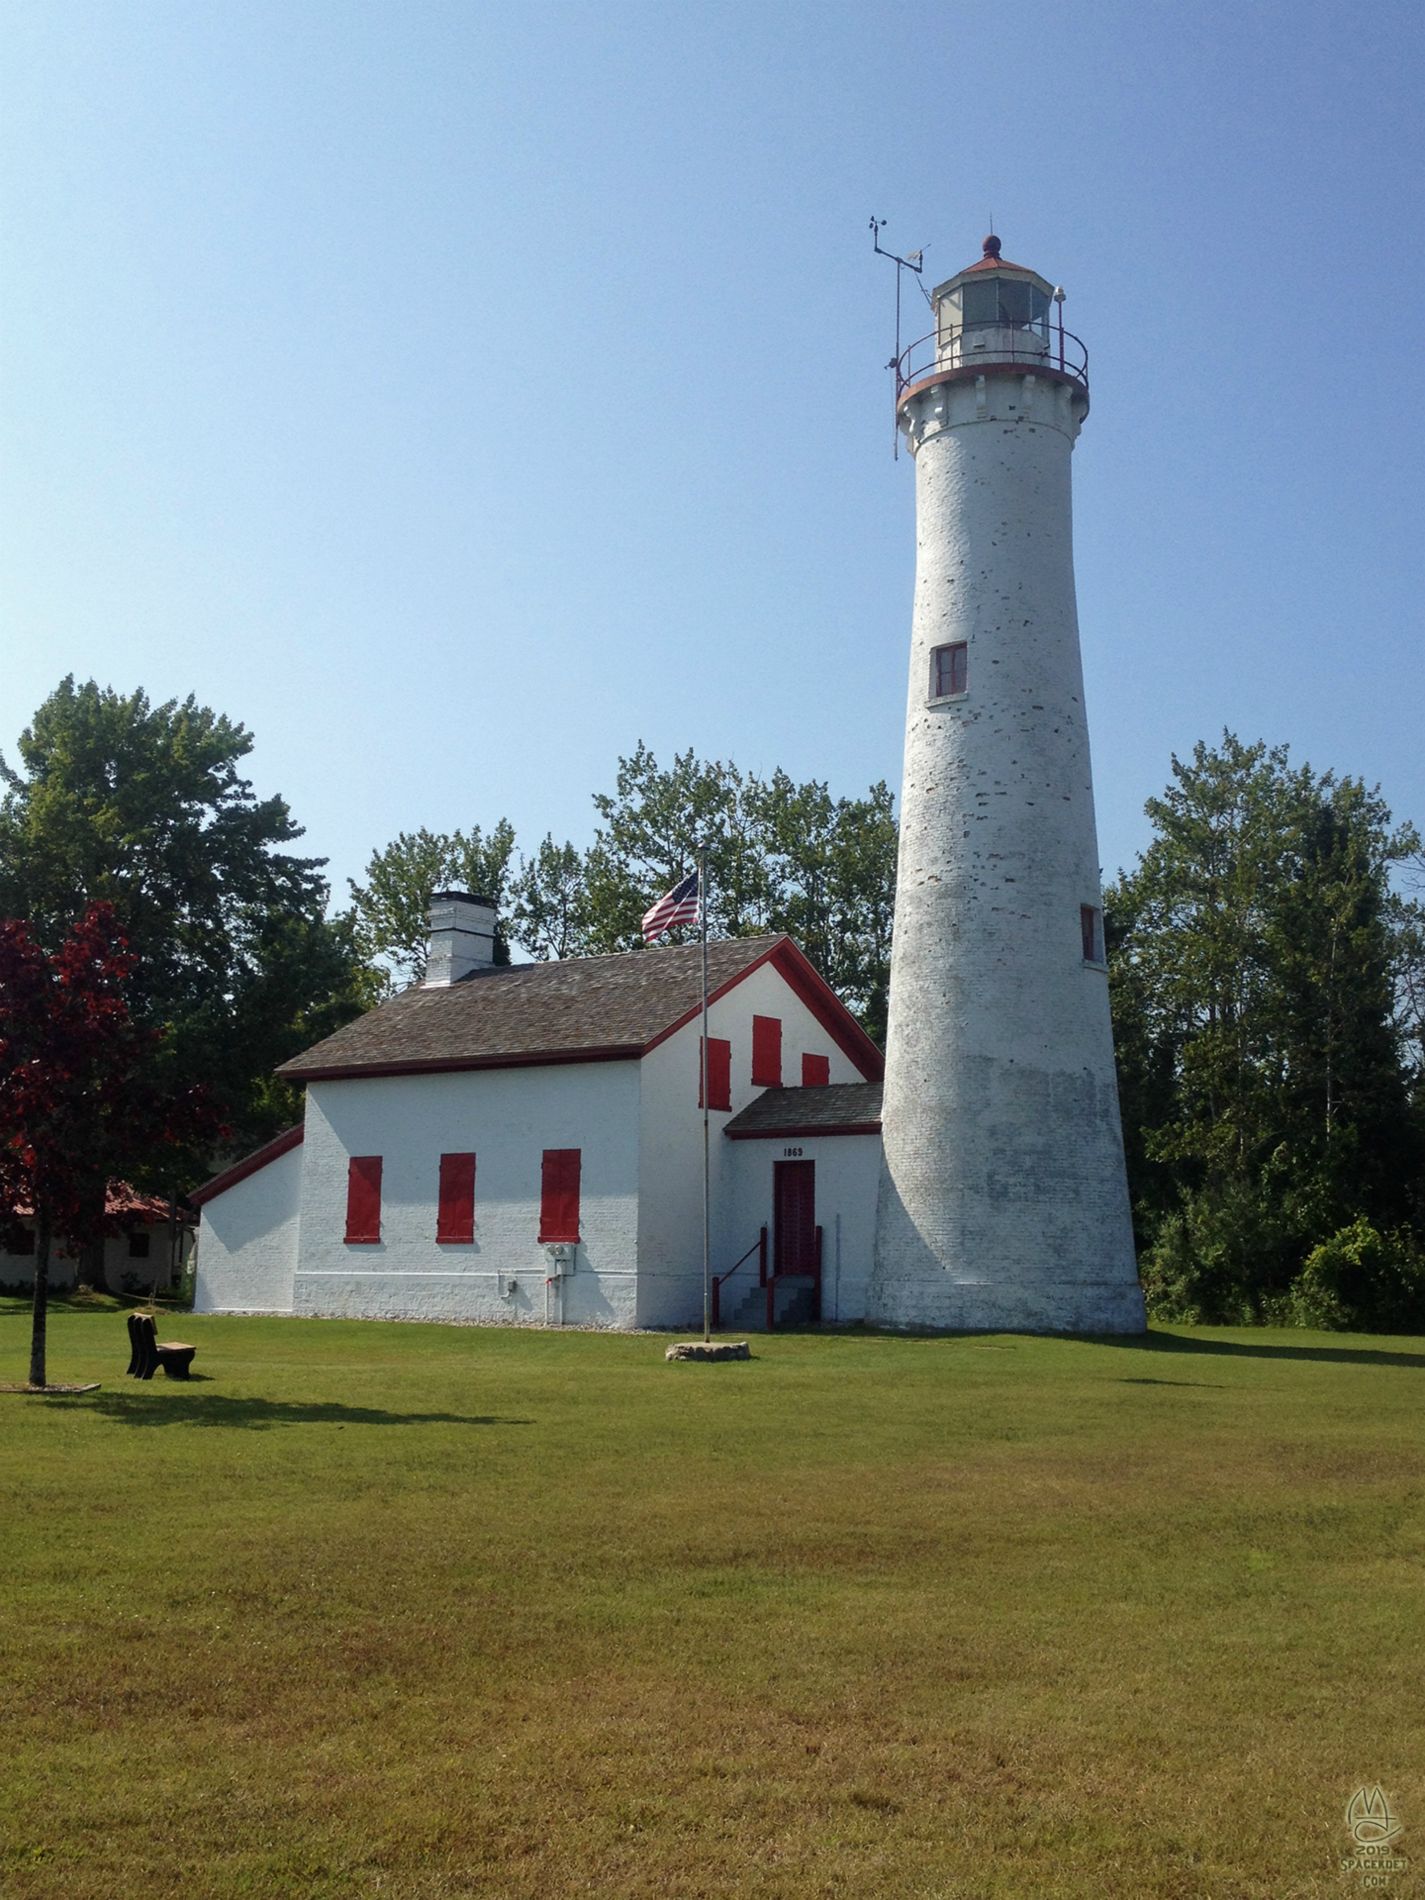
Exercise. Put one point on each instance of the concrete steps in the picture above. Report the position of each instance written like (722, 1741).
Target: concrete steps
(795, 1297)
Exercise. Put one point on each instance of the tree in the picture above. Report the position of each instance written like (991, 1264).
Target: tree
(390, 907)
(781, 857)
(653, 825)
(832, 875)
(1253, 956)
(78, 1096)
(549, 896)
(144, 807)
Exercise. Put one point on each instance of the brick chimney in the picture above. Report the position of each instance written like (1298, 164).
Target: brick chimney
(462, 937)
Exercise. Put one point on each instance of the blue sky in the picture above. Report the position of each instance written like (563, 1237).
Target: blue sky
(457, 395)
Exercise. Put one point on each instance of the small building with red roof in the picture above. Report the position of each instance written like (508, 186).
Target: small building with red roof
(147, 1243)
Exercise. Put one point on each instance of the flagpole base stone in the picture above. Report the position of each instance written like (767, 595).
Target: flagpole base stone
(709, 1349)
(52, 1391)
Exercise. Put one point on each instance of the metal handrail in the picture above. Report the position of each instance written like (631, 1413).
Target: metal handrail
(758, 1247)
(1064, 353)
(796, 1273)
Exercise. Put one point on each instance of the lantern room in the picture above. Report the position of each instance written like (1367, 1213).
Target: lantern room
(995, 315)
(991, 311)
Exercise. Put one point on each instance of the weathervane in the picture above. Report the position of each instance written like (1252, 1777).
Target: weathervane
(915, 262)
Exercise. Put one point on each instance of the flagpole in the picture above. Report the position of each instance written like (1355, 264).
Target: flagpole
(707, 1248)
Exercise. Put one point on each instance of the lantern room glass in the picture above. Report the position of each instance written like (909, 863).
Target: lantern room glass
(994, 302)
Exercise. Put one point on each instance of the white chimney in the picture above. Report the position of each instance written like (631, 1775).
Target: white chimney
(462, 937)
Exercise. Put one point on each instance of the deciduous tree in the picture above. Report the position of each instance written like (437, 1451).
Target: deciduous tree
(391, 906)
(549, 902)
(145, 807)
(781, 857)
(79, 1100)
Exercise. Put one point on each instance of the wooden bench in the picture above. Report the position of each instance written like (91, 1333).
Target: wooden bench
(146, 1352)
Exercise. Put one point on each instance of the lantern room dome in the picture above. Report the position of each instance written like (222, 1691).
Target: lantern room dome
(991, 260)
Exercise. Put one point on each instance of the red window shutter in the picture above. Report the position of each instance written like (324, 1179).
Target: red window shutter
(559, 1195)
(816, 1072)
(767, 1052)
(363, 1199)
(455, 1218)
(719, 1073)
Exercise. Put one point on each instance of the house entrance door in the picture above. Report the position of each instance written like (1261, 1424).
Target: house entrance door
(794, 1217)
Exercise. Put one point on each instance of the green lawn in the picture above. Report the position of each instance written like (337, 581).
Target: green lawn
(416, 1611)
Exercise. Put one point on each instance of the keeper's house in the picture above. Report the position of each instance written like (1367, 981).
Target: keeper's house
(525, 1144)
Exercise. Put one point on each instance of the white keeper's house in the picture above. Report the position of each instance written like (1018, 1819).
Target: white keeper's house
(525, 1144)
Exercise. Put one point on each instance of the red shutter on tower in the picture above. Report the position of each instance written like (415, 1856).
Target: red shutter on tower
(719, 1073)
(455, 1218)
(767, 1052)
(816, 1071)
(559, 1195)
(363, 1199)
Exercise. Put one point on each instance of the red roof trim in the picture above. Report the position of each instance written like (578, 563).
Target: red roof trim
(281, 1144)
(432, 1065)
(802, 978)
(833, 1015)
(689, 1015)
(804, 1131)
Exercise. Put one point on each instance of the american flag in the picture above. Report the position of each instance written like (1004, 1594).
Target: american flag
(678, 906)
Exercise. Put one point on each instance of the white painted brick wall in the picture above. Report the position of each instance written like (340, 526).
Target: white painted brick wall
(508, 1117)
(670, 1232)
(1003, 1199)
(847, 1167)
(247, 1242)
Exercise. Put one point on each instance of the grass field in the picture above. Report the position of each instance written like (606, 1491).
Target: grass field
(417, 1611)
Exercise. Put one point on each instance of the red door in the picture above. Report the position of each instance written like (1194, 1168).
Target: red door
(794, 1217)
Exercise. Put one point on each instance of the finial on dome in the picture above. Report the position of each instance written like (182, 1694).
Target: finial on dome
(991, 246)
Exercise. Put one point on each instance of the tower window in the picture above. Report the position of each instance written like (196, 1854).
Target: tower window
(1091, 927)
(949, 670)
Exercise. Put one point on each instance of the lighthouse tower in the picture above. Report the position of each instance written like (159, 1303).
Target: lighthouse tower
(1003, 1201)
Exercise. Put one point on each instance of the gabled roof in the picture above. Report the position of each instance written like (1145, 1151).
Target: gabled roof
(583, 1009)
(282, 1144)
(835, 1108)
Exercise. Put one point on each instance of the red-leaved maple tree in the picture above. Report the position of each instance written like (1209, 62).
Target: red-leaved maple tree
(76, 1107)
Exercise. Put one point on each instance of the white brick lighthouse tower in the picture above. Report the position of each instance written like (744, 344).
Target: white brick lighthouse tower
(1003, 1200)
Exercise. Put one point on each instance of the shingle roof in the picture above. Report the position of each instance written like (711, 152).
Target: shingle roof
(836, 1108)
(583, 1008)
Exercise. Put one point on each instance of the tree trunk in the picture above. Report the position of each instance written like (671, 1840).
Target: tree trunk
(41, 1307)
(90, 1257)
